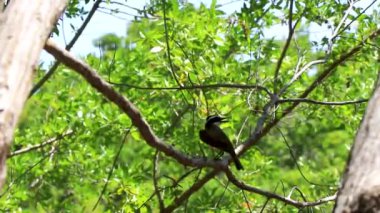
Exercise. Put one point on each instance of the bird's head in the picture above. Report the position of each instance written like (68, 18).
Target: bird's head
(214, 120)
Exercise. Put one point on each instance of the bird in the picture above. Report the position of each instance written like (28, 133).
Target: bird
(214, 136)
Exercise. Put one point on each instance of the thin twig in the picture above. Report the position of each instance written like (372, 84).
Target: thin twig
(299, 191)
(354, 19)
(111, 11)
(122, 142)
(246, 201)
(155, 182)
(113, 15)
(177, 119)
(286, 47)
(129, 108)
(195, 87)
(268, 199)
(305, 100)
(297, 165)
(221, 196)
(38, 146)
(337, 29)
(127, 6)
(328, 71)
(168, 45)
(298, 73)
(174, 184)
(195, 187)
(46, 156)
(271, 195)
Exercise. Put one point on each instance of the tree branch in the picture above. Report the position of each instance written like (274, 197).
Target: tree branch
(155, 181)
(168, 45)
(271, 195)
(152, 139)
(198, 185)
(122, 142)
(38, 146)
(305, 100)
(260, 131)
(286, 47)
(299, 72)
(194, 87)
(127, 107)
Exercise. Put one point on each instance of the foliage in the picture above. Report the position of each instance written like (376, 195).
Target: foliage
(307, 148)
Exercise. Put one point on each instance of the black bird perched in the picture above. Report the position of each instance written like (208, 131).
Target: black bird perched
(214, 136)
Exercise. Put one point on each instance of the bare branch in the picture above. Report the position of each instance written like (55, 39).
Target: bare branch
(337, 29)
(174, 184)
(168, 45)
(328, 72)
(286, 47)
(271, 195)
(113, 15)
(297, 165)
(125, 5)
(356, 18)
(298, 73)
(38, 146)
(155, 182)
(112, 12)
(122, 142)
(178, 200)
(194, 87)
(247, 201)
(305, 100)
(18, 178)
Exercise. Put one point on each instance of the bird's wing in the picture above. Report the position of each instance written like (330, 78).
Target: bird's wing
(207, 139)
(217, 133)
(219, 138)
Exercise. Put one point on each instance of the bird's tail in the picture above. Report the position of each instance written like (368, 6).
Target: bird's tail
(236, 161)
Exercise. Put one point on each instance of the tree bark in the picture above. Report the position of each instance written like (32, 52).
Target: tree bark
(360, 191)
(24, 29)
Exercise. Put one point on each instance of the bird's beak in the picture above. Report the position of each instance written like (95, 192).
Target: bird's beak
(223, 120)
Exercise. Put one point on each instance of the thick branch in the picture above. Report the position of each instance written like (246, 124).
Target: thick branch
(127, 107)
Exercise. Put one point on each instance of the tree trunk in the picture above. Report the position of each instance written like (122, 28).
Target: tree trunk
(24, 28)
(360, 191)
